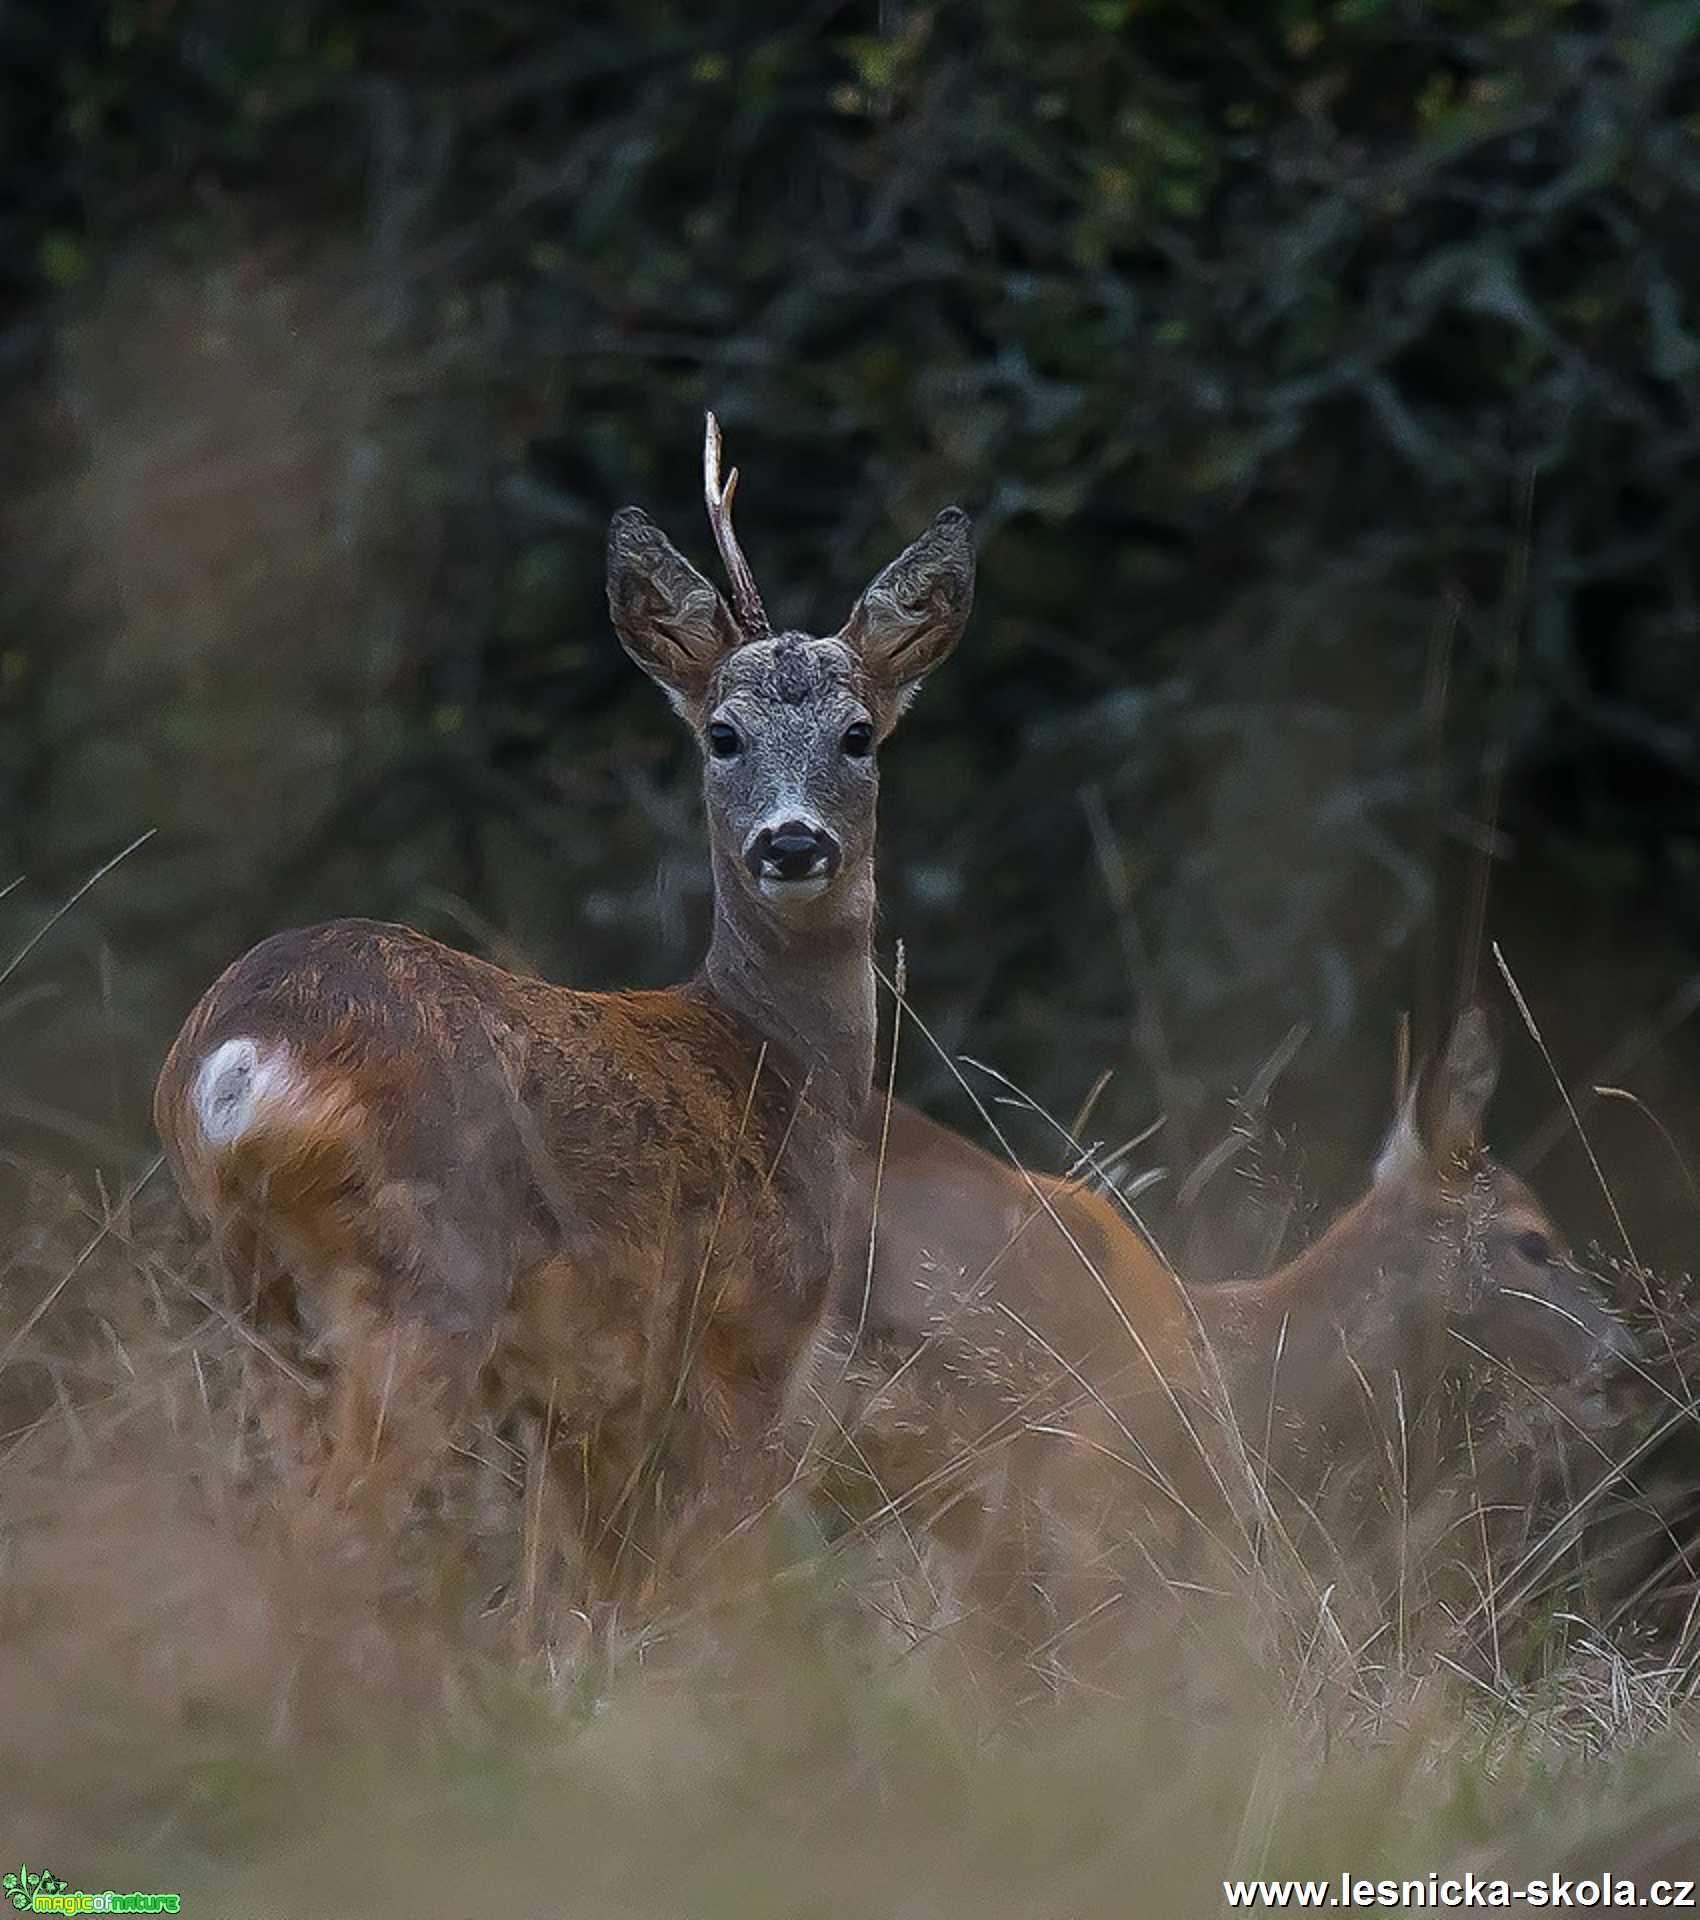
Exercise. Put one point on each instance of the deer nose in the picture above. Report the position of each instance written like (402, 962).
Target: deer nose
(792, 851)
(1616, 1379)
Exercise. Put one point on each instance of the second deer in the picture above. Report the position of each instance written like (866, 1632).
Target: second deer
(1017, 1344)
(621, 1210)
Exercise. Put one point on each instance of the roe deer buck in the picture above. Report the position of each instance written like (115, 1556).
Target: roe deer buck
(623, 1208)
(995, 1293)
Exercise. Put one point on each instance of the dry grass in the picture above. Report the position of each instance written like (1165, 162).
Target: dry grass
(206, 1686)
(198, 1691)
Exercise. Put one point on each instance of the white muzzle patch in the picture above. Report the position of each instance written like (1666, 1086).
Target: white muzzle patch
(794, 891)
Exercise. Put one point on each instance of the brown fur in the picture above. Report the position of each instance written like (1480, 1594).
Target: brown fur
(1019, 1385)
(1001, 1302)
(597, 1195)
(620, 1211)
(1448, 1256)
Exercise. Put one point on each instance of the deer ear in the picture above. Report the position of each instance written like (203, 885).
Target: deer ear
(1442, 1115)
(669, 618)
(913, 613)
(1462, 1086)
(1403, 1155)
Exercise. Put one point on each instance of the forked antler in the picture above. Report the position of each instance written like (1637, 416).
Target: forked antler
(751, 615)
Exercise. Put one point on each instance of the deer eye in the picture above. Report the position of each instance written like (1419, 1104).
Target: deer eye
(1534, 1247)
(859, 740)
(724, 742)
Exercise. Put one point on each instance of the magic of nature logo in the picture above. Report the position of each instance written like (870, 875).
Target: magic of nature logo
(36, 1890)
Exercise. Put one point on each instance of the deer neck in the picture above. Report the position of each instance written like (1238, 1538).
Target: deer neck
(804, 980)
(1354, 1290)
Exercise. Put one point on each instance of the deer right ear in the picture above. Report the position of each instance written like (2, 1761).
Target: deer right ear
(1463, 1086)
(669, 618)
(913, 612)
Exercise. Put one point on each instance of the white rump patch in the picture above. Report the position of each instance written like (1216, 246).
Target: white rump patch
(235, 1081)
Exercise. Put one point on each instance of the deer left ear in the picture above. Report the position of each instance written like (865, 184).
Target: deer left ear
(1403, 1155)
(913, 612)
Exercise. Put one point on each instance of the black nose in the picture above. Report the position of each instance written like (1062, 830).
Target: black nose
(1616, 1382)
(792, 851)
(1616, 1358)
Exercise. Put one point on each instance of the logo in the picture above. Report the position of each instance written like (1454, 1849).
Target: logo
(22, 1886)
(43, 1892)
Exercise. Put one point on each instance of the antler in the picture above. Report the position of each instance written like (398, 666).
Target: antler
(746, 599)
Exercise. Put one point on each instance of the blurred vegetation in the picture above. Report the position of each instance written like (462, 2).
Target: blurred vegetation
(1324, 377)
(210, 1685)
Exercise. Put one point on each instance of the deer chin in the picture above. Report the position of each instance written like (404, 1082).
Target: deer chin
(1612, 1407)
(790, 894)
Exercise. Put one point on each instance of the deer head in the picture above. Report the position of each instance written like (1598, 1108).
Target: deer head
(789, 724)
(1489, 1264)
(1448, 1257)
(1445, 1260)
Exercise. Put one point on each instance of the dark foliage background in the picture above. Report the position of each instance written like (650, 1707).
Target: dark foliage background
(1324, 378)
